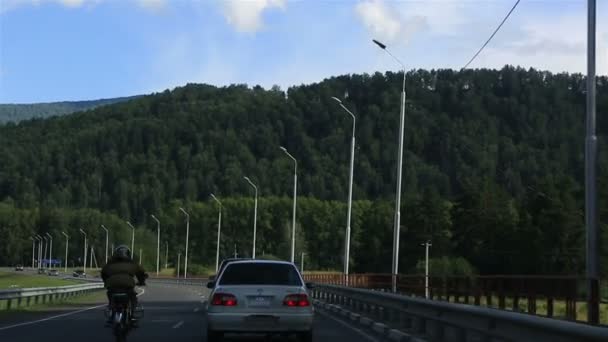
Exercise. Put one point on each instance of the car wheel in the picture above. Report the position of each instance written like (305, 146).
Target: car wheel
(305, 336)
(214, 336)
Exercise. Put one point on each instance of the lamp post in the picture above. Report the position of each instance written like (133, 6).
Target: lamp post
(255, 213)
(65, 263)
(219, 232)
(397, 223)
(33, 250)
(187, 237)
(166, 254)
(39, 238)
(132, 237)
(50, 250)
(302, 263)
(45, 251)
(84, 263)
(350, 189)
(106, 229)
(426, 268)
(591, 212)
(157, 244)
(295, 192)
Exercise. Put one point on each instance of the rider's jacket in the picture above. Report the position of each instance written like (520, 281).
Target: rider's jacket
(119, 274)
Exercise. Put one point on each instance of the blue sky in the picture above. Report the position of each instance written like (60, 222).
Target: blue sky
(53, 50)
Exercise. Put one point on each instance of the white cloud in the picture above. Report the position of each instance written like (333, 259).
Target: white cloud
(152, 5)
(385, 23)
(246, 15)
(8, 5)
(553, 43)
(72, 3)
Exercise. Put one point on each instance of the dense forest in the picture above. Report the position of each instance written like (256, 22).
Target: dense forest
(19, 112)
(493, 170)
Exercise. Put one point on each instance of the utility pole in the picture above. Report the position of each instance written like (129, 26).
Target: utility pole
(295, 196)
(219, 233)
(302, 263)
(106, 229)
(141, 256)
(426, 269)
(255, 213)
(187, 237)
(166, 255)
(65, 263)
(157, 244)
(33, 250)
(179, 256)
(593, 264)
(84, 261)
(132, 237)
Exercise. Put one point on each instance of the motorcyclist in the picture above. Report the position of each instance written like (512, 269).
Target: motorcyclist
(119, 272)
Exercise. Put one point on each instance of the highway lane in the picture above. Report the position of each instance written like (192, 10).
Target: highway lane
(172, 313)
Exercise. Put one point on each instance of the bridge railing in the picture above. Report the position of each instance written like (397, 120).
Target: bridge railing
(550, 296)
(441, 321)
(15, 298)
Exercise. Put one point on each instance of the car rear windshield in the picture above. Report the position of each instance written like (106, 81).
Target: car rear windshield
(260, 274)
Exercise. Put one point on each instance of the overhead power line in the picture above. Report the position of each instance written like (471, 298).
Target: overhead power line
(492, 36)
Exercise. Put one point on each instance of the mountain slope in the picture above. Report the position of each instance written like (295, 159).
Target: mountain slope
(19, 112)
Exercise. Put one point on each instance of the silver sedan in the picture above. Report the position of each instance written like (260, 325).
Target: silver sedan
(259, 296)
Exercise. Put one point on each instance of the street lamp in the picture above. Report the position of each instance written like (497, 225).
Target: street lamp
(295, 192)
(157, 244)
(50, 250)
(396, 229)
(84, 263)
(39, 238)
(350, 189)
(255, 213)
(132, 237)
(67, 241)
(219, 232)
(187, 236)
(46, 249)
(106, 229)
(426, 268)
(33, 250)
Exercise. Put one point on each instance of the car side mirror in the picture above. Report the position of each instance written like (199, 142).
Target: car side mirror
(210, 284)
(310, 286)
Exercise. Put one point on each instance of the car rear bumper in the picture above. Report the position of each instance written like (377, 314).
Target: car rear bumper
(249, 322)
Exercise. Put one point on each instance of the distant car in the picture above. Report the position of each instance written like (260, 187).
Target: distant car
(79, 274)
(259, 296)
(53, 273)
(223, 265)
(42, 271)
(19, 268)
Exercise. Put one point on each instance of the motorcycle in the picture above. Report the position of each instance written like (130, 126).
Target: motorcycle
(122, 312)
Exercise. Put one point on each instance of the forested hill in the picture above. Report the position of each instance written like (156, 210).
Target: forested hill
(490, 155)
(19, 112)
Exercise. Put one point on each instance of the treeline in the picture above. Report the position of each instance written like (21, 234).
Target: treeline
(19, 112)
(493, 167)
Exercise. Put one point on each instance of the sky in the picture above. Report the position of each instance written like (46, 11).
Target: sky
(65, 50)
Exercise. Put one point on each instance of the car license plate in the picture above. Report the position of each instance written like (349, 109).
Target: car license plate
(259, 301)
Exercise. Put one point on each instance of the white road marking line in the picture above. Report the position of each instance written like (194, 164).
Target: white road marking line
(178, 324)
(359, 331)
(50, 318)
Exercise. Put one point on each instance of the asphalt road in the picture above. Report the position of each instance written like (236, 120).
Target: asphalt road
(172, 313)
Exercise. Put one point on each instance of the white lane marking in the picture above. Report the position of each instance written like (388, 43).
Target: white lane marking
(52, 317)
(368, 337)
(178, 324)
(195, 309)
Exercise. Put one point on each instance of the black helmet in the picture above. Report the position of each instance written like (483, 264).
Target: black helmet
(122, 252)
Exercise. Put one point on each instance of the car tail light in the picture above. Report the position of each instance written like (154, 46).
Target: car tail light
(223, 299)
(296, 300)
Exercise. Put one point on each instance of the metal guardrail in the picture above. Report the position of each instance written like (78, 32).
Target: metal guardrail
(538, 295)
(179, 281)
(441, 321)
(41, 295)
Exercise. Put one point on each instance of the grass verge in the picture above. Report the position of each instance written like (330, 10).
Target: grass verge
(10, 280)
